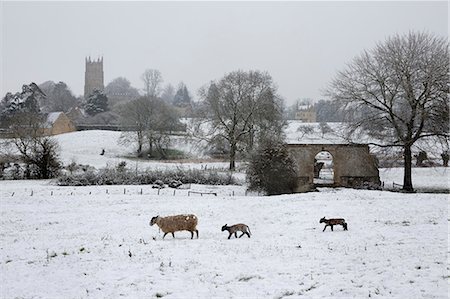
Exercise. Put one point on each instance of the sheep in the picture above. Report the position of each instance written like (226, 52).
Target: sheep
(235, 228)
(334, 221)
(171, 224)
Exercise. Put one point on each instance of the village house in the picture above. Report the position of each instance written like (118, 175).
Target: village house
(58, 123)
(305, 112)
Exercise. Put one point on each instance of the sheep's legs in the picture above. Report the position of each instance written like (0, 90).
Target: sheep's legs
(245, 233)
(196, 231)
(165, 235)
(230, 236)
(235, 235)
(325, 227)
(345, 226)
(192, 235)
(331, 227)
(173, 235)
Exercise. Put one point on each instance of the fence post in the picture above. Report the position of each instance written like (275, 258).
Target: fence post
(174, 192)
(124, 190)
(158, 190)
(31, 193)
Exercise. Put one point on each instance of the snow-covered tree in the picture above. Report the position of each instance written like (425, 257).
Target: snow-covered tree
(96, 103)
(26, 101)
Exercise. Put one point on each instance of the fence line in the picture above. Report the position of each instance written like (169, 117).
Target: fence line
(394, 185)
(82, 191)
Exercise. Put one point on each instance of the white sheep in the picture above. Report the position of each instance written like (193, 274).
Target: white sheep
(172, 224)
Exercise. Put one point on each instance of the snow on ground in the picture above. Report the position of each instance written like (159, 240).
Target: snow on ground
(78, 246)
(88, 151)
(422, 178)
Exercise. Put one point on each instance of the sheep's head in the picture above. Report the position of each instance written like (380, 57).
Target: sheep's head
(224, 227)
(153, 221)
(322, 220)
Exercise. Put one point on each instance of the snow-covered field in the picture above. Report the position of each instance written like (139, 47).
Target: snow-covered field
(81, 242)
(79, 245)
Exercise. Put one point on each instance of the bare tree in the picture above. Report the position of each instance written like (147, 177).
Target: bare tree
(325, 128)
(168, 93)
(148, 121)
(241, 105)
(398, 93)
(305, 130)
(38, 152)
(152, 82)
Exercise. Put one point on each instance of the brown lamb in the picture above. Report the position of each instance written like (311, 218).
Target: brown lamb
(333, 221)
(172, 224)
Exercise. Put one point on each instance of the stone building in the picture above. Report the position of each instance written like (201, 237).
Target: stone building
(305, 113)
(58, 123)
(93, 76)
(353, 165)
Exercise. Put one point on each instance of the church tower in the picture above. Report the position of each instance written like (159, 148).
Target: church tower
(93, 76)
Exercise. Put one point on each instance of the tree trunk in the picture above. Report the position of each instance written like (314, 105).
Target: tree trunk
(139, 140)
(407, 178)
(233, 156)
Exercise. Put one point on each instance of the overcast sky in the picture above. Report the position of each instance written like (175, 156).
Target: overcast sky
(301, 44)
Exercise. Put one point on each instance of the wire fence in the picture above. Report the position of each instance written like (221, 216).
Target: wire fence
(187, 191)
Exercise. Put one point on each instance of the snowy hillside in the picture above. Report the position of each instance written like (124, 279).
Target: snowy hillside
(84, 147)
(96, 245)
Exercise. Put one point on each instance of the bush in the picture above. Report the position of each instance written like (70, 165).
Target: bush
(272, 170)
(121, 176)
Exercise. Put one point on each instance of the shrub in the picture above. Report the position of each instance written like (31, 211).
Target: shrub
(122, 176)
(272, 170)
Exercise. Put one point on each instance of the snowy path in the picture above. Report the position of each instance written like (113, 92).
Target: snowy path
(396, 246)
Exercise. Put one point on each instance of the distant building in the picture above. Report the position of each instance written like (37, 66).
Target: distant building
(306, 113)
(58, 123)
(93, 76)
(76, 115)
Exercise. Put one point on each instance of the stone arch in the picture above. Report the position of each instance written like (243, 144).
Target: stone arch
(323, 169)
(353, 164)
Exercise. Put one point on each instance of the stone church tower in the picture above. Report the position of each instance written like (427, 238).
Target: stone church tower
(93, 76)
